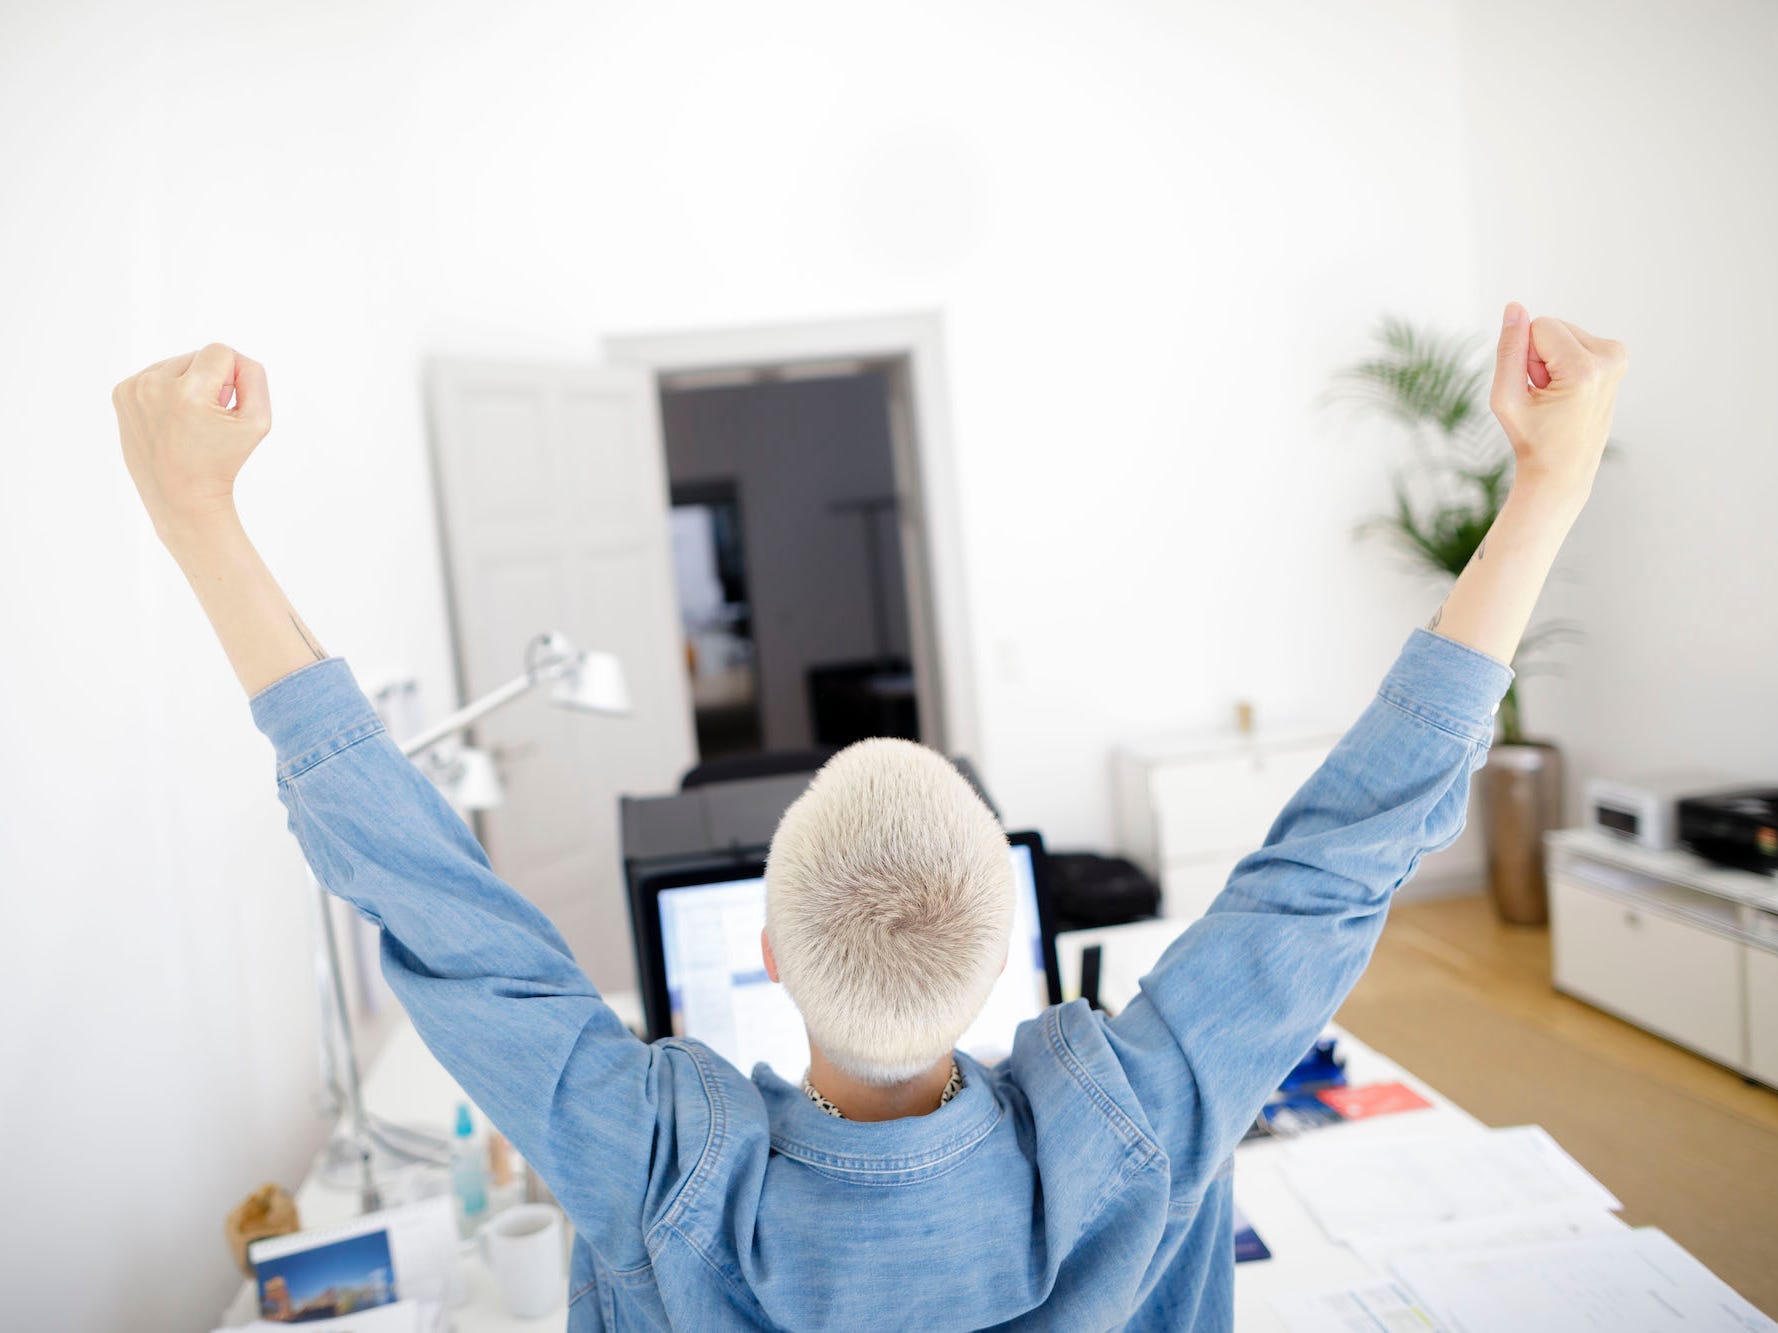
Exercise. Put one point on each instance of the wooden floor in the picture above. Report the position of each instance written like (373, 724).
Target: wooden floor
(1466, 1003)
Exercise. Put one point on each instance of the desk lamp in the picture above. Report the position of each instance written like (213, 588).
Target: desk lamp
(586, 681)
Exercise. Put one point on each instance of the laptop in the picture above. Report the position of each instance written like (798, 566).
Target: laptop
(697, 942)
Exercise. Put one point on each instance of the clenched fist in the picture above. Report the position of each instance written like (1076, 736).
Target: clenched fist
(187, 424)
(1554, 386)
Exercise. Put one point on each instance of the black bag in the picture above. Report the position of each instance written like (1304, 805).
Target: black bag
(1090, 890)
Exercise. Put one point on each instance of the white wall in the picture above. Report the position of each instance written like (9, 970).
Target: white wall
(160, 187)
(1629, 161)
(1153, 230)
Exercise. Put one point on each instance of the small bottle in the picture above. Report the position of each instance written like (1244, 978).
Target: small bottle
(505, 1187)
(468, 1181)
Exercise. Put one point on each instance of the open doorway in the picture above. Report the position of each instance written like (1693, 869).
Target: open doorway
(815, 555)
(793, 596)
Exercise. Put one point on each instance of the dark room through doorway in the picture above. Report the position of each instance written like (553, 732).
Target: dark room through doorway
(787, 532)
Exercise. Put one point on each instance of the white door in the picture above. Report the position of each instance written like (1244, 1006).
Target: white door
(553, 501)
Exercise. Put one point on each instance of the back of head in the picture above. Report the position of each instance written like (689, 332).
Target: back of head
(888, 906)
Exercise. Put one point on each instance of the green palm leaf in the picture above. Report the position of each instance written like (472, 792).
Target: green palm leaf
(1419, 377)
(1436, 383)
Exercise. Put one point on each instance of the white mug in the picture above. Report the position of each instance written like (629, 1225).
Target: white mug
(523, 1249)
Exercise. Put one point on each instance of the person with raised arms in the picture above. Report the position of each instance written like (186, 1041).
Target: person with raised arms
(1084, 1182)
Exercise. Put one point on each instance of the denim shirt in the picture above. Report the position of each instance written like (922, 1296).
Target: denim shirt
(1083, 1183)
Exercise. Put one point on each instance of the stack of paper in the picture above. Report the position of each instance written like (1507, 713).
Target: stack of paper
(1404, 1183)
(1627, 1280)
(1494, 1232)
(1637, 1279)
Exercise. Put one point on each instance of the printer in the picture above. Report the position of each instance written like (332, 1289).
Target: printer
(1645, 809)
(1733, 828)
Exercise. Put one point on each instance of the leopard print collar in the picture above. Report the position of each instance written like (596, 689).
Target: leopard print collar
(952, 1087)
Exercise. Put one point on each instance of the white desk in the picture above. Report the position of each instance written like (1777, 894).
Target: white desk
(407, 1085)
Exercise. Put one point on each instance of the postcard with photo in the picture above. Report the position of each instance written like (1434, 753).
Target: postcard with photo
(342, 1277)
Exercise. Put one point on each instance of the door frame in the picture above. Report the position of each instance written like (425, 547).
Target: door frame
(911, 347)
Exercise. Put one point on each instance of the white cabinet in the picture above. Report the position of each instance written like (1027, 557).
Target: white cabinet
(1660, 973)
(1761, 965)
(1670, 942)
(1189, 807)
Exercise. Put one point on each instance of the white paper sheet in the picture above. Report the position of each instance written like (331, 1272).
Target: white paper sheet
(1395, 1183)
(1368, 1307)
(1634, 1280)
(1542, 1226)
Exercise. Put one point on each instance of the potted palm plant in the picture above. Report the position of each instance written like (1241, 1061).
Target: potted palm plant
(1443, 504)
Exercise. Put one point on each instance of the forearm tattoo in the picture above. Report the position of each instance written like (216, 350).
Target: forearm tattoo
(1438, 615)
(297, 626)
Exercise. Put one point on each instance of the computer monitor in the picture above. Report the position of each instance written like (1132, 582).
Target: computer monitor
(698, 937)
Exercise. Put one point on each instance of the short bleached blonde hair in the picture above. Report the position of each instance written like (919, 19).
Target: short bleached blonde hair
(889, 896)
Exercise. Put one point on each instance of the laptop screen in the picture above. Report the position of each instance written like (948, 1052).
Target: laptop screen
(718, 991)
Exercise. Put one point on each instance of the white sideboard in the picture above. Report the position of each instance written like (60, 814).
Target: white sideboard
(1670, 942)
(1188, 807)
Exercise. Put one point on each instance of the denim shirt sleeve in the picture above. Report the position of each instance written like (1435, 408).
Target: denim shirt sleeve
(488, 981)
(1240, 996)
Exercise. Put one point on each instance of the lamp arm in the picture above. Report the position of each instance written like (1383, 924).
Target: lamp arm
(546, 657)
(469, 714)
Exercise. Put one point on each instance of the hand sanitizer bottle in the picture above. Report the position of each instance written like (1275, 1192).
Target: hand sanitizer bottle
(468, 1180)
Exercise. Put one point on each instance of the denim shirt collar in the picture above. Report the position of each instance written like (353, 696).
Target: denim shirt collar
(886, 1152)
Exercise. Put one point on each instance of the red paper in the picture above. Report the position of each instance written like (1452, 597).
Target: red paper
(1373, 1099)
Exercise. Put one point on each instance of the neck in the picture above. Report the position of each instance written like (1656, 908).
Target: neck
(859, 1100)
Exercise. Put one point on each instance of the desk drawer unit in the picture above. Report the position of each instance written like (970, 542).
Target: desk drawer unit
(1226, 802)
(1661, 972)
(1187, 815)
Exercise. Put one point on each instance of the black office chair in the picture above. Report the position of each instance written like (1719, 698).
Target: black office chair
(764, 764)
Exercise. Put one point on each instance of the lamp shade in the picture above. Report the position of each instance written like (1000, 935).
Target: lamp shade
(466, 776)
(593, 682)
(478, 784)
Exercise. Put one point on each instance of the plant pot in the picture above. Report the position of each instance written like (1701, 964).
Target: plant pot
(1521, 790)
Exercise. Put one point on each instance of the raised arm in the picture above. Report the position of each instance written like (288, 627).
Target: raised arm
(486, 978)
(1238, 998)
(1554, 389)
(188, 424)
